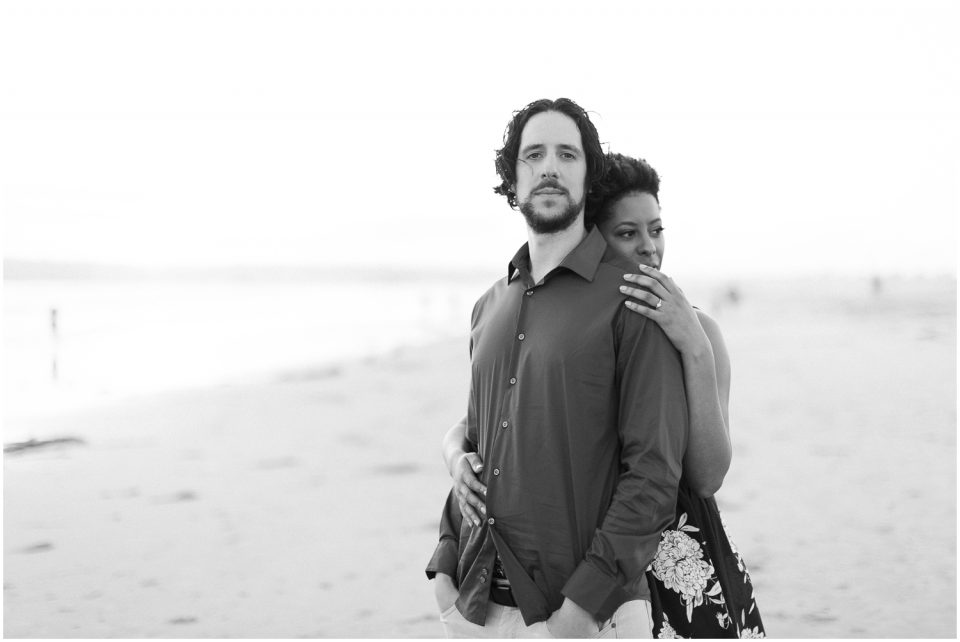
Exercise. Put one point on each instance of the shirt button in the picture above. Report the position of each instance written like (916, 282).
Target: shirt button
(491, 521)
(529, 292)
(496, 471)
(513, 380)
(483, 571)
(483, 580)
(505, 424)
(521, 336)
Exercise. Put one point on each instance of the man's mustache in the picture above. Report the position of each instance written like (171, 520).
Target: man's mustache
(550, 184)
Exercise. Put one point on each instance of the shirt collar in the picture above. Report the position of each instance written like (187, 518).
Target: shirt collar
(583, 259)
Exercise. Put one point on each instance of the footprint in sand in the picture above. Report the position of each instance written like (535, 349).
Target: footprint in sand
(820, 616)
(183, 620)
(277, 462)
(181, 496)
(396, 469)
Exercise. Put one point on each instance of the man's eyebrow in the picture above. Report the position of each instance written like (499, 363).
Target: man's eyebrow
(562, 146)
(530, 148)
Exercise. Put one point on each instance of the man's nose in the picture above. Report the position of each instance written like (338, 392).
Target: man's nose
(549, 168)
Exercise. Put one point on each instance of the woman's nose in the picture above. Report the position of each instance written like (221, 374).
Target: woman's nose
(646, 246)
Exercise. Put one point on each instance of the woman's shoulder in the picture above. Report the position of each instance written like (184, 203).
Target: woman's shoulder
(709, 325)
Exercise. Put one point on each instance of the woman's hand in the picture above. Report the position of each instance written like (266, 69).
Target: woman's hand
(706, 374)
(467, 488)
(661, 300)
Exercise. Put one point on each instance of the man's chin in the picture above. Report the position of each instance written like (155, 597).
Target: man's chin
(549, 220)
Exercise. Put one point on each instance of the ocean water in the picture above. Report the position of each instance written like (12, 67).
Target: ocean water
(116, 339)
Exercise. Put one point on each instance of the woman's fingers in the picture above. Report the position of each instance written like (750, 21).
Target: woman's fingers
(648, 283)
(656, 274)
(469, 514)
(641, 295)
(471, 506)
(469, 488)
(638, 307)
(470, 477)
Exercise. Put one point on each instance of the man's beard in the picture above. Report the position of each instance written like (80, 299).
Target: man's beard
(551, 225)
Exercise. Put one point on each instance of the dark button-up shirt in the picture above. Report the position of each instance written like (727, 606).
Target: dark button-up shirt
(577, 408)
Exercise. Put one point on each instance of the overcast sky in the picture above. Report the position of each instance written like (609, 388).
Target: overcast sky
(791, 137)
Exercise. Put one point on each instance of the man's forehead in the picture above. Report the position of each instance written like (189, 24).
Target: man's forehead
(550, 128)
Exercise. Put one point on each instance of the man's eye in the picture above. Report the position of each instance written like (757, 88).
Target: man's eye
(569, 156)
(534, 156)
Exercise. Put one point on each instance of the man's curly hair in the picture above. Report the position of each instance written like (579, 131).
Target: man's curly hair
(624, 175)
(506, 160)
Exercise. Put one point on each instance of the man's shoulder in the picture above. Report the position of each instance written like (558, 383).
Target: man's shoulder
(612, 268)
(496, 290)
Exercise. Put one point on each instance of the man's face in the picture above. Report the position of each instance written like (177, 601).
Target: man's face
(551, 172)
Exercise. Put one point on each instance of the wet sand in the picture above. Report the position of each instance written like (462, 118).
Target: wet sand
(307, 505)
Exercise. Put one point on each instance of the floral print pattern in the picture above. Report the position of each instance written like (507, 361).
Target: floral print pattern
(679, 564)
(699, 584)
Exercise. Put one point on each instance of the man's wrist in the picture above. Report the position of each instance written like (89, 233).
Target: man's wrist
(572, 620)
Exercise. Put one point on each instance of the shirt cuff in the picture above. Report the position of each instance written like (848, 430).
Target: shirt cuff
(595, 591)
(445, 559)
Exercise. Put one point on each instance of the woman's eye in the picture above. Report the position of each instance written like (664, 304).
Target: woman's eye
(656, 232)
(629, 234)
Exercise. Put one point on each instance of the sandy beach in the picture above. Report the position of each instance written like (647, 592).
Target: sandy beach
(306, 505)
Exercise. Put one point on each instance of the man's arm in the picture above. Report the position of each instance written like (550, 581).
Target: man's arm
(447, 553)
(653, 428)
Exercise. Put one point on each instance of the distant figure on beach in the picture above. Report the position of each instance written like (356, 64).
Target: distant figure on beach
(576, 405)
(699, 586)
(733, 295)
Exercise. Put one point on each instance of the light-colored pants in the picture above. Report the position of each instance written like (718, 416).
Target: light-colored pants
(631, 620)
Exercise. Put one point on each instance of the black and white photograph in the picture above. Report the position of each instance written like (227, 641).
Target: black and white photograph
(356, 320)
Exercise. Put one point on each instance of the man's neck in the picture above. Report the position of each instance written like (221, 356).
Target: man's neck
(548, 250)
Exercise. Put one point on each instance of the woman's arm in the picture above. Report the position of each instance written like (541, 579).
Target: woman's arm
(464, 465)
(706, 374)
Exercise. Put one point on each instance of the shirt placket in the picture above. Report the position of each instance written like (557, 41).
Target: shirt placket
(506, 418)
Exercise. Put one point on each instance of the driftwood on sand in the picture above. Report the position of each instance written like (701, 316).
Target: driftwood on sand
(21, 446)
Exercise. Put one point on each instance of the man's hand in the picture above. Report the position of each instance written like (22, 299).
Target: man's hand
(571, 621)
(445, 591)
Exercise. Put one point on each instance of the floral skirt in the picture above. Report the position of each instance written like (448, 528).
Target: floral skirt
(699, 585)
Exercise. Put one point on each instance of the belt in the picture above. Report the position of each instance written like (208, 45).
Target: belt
(502, 595)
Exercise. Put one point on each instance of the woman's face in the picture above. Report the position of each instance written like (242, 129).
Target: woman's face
(634, 229)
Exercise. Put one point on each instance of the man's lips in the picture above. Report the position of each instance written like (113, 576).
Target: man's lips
(550, 190)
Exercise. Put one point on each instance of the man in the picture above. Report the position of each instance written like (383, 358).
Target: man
(576, 408)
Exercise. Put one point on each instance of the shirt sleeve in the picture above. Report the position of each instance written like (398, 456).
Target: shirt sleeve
(447, 554)
(653, 430)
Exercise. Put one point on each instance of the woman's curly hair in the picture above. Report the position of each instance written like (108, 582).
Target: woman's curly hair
(506, 159)
(624, 175)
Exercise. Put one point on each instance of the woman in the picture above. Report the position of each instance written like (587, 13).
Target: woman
(699, 585)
